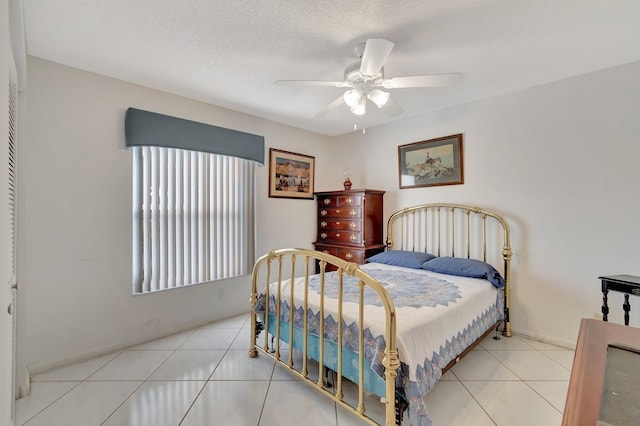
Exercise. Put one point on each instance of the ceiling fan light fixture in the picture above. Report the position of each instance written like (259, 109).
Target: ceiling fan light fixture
(352, 97)
(361, 107)
(378, 97)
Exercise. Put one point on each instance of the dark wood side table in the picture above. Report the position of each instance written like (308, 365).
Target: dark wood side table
(603, 385)
(627, 284)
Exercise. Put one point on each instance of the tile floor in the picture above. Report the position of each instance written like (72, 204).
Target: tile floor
(205, 377)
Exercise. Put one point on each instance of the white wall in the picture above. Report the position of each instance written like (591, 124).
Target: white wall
(75, 218)
(560, 161)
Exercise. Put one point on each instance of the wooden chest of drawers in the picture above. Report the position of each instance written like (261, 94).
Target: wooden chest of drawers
(350, 224)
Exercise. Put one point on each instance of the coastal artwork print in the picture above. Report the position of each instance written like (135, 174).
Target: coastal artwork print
(431, 163)
(291, 175)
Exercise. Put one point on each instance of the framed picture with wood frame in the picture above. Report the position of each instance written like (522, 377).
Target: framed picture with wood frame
(432, 162)
(291, 175)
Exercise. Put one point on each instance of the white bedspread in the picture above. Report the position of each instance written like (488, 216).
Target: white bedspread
(432, 309)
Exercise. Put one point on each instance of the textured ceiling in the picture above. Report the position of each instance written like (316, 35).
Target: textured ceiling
(228, 53)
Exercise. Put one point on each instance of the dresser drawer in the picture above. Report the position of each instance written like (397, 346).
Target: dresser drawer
(329, 250)
(350, 255)
(340, 237)
(338, 224)
(349, 200)
(340, 200)
(354, 213)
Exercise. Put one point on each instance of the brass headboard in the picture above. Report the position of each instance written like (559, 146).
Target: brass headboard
(455, 230)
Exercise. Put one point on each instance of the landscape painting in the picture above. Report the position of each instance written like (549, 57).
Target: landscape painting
(291, 175)
(431, 163)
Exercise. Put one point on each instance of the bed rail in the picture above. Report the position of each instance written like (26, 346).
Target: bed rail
(275, 262)
(455, 230)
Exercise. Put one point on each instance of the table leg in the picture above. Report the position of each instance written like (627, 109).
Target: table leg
(626, 306)
(605, 307)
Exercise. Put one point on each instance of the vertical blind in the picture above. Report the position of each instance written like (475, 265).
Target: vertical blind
(193, 217)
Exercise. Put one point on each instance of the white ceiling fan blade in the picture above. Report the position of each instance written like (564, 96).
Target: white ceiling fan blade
(311, 83)
(376, 52)
(391, 108)
(431, 80)
(333, 105)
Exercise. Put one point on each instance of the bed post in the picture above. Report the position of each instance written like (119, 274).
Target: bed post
(391, 364)
(506, 254)
(253, 298)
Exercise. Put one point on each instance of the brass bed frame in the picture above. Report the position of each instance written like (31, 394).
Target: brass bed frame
(441, 229)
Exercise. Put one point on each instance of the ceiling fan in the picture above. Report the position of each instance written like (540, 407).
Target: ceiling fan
(364, 79)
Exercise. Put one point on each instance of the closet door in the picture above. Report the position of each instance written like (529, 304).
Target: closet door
(8, 286)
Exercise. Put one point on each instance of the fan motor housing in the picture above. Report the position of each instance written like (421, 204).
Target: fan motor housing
(352, 74)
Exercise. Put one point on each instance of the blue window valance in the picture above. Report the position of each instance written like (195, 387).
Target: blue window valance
(144, 128)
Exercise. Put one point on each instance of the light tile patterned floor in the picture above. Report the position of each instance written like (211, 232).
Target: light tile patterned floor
(205, 377)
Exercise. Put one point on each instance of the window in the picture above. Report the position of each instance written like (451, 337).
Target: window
(193, 217)
(193, 200)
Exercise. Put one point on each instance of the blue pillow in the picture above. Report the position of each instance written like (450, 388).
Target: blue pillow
(465, 268)
(407, 259)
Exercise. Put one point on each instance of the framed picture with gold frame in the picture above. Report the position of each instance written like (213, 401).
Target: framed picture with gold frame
(291, 175)
(432, 162)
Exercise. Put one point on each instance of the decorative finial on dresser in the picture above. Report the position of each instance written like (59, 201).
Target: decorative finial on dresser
(347, 179)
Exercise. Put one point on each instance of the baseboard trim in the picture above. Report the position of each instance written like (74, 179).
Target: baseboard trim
(24, 390)
(567, 344)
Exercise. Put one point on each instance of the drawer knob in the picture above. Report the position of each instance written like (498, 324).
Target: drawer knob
(323, 224)
(353, 238)
(353, 212)
(338, 223)
(327, 201)
(323, 212)
(337, 211)
(348, 256)
(353, 225)
(323, 235)
(338, 235)
(349, 200)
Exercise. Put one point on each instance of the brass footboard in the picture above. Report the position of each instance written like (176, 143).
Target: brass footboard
(276, 262)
